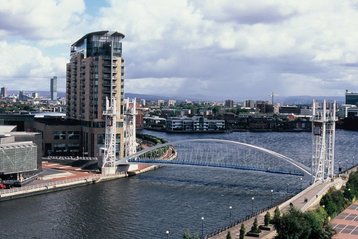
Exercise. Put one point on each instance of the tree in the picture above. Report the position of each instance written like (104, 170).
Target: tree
(267, 218)
(318, 222)
(255, 227)
(276, 216)
(292, 225)
(228, 235)
(242, 231)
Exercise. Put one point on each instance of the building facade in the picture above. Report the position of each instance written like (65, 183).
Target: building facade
(3, 92)
(20, 153)
(53, 88)
(95, 72)
(194, 124)
(351, 98)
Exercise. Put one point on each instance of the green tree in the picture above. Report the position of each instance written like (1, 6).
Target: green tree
(334, 202)
(216, 110)
(318, 222)
(276, 216)
(255, 226)
(267, 218)
(228, 235)
(242, 231)
(292, 225)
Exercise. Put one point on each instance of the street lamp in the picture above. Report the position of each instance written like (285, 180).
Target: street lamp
(202, 227)
(271, 197)
(167, 232)
(252, 205)
(353, 161)
(287, 187)
(301, 183)
(230, 208)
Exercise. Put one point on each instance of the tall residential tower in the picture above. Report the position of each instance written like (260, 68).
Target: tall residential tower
(96, 73)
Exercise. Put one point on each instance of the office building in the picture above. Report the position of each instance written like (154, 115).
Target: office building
(20, 153)
(3, 92)
(35, 95)
(160, 103)
(229, 104)
(171, 103)
(53, 88)
(95, 72)
(22, 96)
(194, 124)
(351, 98)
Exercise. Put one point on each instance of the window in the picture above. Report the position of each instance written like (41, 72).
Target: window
(73, 134)
(59, 135)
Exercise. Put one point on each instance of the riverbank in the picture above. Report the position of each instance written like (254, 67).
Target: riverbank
(57, 177)
(308, 199)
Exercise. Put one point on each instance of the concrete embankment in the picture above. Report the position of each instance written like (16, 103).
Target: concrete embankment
(47, 187)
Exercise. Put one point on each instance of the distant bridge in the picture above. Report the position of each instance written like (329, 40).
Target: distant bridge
(218, 153)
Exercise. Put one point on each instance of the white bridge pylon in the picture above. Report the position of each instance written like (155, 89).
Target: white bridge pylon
(205, 152)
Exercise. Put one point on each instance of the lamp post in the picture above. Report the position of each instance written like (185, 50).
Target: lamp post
(353, 162)
(167, 233)
(271, 197)
(301, 183)
(230, 208)
(287, 187)
(252, 205)
(202, 227)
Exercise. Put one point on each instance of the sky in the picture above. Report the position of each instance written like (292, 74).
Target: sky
(219, 48)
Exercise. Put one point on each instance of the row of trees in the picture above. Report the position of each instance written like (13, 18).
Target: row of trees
(315, 224)
(336, 201)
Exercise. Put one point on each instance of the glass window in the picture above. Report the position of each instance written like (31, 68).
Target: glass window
(59, 135)
(73, 134)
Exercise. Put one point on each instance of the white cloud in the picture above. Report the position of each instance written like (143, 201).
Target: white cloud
(216, 47)
(52, 21)
(26, 67)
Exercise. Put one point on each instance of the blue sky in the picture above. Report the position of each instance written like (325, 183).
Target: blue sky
(221, 48)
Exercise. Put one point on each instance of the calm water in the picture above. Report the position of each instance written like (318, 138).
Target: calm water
(171, 198)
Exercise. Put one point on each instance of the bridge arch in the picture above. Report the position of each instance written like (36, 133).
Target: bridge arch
(132, 159)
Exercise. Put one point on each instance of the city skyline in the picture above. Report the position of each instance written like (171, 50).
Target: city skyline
(212, 48)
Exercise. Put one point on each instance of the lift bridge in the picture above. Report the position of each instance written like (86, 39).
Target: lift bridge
(217, 153)
(228, 154)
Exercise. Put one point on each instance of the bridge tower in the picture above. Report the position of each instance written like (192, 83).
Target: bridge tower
(323, 140)
(109, 151)
(130, 143)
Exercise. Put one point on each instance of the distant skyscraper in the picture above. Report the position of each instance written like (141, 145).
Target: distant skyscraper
(35, 95)
(229, 103)
(3, 92)
(53, 88)
(21, 95)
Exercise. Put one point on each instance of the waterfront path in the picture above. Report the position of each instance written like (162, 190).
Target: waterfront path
(346, 223)
(313, 195)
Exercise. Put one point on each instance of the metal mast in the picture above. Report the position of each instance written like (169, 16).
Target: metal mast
(331, 133)
(110, 114)
(323, 137)
(130, 144)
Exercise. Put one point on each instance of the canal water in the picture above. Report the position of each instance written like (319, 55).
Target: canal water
(170, 198)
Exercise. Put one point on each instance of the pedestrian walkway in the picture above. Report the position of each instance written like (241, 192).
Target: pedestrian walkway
(346, 223)
(305, 199)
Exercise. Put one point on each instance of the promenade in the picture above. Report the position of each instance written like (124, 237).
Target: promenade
(313, 195)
